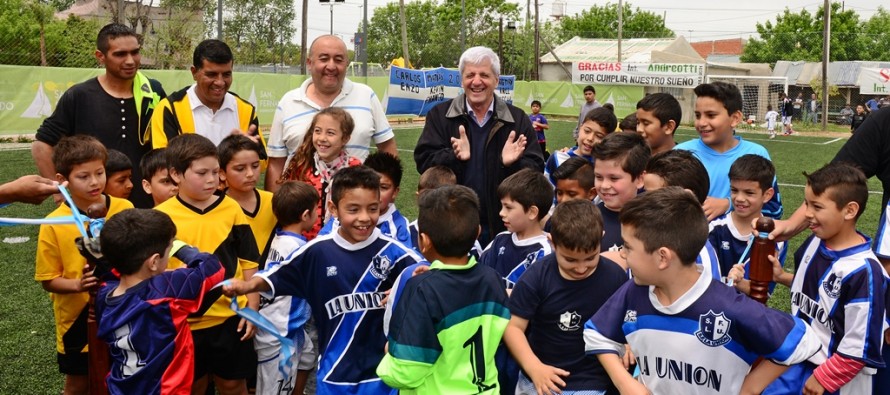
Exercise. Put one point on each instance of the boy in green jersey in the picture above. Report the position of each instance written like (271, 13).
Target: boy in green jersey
(447, 322)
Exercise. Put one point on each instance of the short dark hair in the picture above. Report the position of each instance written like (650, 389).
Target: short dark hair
(387, 164)
(629, 122)
(75, 150)
(576, 225)
(610, 107)
(750, 167)
(680, 168)
(116, 162)
(536, 102)
(110, 32)
(153, 161)
(213, 51)
(844, 183)
(291, 199)
(628, 149)
(663, 106)
(435, 177)
(668, 217)
(603, 117)
(355, 177)
(724, 92)
(590, 88)
(578, 169)
(232, 145)
(455, 205)
(186, 148)
(528, 188)
(132, 236)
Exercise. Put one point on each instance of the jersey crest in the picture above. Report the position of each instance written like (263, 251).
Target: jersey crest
(331, 271)
(713, 329)
(832, 285)
(569, 321)
(630, 316)
(380, 267)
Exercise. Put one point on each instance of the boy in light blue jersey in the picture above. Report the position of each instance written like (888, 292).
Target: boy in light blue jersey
(718, 109)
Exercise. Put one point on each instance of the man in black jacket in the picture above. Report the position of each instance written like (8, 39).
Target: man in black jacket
(480, 137)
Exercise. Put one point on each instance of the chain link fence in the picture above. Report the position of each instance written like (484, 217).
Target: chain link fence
(38, 38)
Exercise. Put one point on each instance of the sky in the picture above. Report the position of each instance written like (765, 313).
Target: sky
(697, 20)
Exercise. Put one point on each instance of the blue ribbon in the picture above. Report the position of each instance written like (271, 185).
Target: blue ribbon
(288, 349)
(75, 218)
(747, 250)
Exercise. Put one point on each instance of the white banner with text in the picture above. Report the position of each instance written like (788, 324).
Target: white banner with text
(670, 75)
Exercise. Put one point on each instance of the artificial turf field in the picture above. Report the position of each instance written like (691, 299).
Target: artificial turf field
(27, 340)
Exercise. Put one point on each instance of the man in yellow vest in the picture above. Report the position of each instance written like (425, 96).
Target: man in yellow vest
(207, 107)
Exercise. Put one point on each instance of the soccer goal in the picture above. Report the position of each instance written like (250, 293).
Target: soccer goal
(757, 93)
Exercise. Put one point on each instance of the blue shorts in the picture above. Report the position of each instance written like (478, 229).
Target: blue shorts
(526, 387)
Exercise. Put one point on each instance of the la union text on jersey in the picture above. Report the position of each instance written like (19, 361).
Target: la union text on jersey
(713, 331)
(361, 301)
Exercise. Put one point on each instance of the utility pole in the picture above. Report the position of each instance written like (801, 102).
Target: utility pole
(536, 69)
(219, 6)
(620, 26)
(365, 39)
(826, 48)
(303, 37)
(463, 26)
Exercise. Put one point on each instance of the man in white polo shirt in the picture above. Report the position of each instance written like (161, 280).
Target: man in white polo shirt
(327, 87)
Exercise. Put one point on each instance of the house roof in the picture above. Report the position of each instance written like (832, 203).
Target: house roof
(634, 50)
(844, 73)
(81, 8)
(731, 46)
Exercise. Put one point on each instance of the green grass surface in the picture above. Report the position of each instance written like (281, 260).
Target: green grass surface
(27, 346)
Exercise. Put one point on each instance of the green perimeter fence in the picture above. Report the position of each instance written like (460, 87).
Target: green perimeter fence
(29, 94)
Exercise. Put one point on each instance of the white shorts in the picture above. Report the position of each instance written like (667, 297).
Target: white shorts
(786, 120)
(309, 353)
(270, 380)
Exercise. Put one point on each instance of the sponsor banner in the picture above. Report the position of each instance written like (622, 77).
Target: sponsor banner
(874, 81)
(671, 75)
(415, 92)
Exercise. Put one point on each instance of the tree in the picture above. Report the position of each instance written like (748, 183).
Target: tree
(798, 36)
(76, 44)
(876, 32)
(384, 31)
(432, 30)
(602, 22)
(259, 31)
(30, 36)
(170, 44)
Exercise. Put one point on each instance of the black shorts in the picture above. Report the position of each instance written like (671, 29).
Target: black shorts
(220, 351)
(75, 364)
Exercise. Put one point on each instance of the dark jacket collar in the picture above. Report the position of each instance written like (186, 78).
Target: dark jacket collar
(458, 107)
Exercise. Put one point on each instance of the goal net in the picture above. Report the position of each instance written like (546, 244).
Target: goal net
(757, 93)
